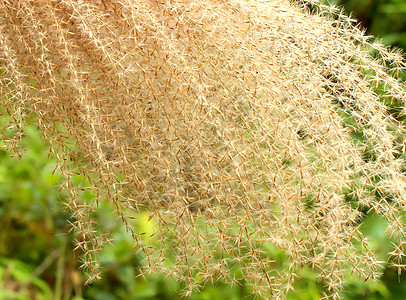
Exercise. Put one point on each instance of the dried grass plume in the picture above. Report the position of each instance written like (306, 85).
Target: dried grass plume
(239, 126)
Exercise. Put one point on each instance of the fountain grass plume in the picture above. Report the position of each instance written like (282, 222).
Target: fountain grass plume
(238, 126)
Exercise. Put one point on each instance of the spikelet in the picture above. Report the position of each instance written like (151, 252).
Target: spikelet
(237, 126)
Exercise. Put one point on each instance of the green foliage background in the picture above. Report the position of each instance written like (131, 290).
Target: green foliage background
(37, 259)
(382, 18)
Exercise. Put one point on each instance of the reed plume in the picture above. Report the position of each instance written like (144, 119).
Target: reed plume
(238, 126)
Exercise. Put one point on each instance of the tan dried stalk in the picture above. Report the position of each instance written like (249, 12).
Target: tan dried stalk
(237, 125)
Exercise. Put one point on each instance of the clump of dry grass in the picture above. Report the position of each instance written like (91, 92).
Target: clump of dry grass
(237, 125)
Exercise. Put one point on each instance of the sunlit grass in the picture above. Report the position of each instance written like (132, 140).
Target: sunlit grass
(234, 126)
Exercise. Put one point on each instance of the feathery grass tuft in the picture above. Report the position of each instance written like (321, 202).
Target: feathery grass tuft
(238, 126)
